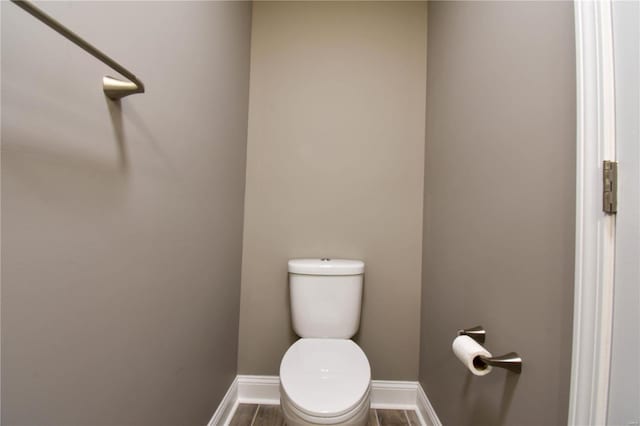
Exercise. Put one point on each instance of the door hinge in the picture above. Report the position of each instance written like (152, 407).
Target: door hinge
(610, 187)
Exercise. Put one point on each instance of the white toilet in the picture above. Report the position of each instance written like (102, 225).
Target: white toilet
(325, 377)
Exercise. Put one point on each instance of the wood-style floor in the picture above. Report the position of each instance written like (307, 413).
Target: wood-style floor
(271, 415)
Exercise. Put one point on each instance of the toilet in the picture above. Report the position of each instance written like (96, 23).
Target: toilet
(325, 378)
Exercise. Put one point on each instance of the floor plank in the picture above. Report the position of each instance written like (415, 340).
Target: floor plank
(392, 418)
(413, 418)
(243, 415)
(269, 415)
(373, 419)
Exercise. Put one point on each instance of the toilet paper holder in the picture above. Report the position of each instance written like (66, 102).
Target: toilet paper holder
(510, 361)
(477, 333)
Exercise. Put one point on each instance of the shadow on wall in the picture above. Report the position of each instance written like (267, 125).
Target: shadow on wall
(481, 407)
(62, 178)
(59, 168)
(141, 129)
(61, 172)
(115, 111)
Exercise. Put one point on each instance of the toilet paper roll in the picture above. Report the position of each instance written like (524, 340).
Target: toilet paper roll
(468, 352)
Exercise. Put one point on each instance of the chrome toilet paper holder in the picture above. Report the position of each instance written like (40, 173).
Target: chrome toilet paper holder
(510, 361)
(477, 333)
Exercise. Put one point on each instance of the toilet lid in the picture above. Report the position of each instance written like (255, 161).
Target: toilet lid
(325, 377)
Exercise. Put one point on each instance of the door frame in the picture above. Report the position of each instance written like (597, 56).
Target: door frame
(595, 230)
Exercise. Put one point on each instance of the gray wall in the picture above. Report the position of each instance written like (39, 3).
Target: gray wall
(499, 207)
(121, 242)
(335, 168)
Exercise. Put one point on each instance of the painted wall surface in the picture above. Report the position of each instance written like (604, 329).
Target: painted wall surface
(335, 168)
(122, 224)
(499, 207)
(624, 383)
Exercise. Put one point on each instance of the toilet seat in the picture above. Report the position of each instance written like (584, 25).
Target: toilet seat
(325, 380)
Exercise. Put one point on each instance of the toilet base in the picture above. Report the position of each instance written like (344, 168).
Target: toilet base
(293, 417)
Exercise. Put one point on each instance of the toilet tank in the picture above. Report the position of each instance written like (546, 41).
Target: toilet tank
(326, 297)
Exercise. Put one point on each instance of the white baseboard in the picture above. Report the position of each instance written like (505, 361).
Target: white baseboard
(394, 395)
(385, 394)
(425, 410)
(259, 390)
(227, 406)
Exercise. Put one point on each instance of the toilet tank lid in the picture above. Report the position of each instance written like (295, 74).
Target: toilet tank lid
(326, 266)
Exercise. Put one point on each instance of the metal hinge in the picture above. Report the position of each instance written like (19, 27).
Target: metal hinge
(610, 187)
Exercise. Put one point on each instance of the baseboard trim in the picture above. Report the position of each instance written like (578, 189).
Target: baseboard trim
(395, 395)
(425, 410)
(226, 409)
(259, 390)
(385, 394)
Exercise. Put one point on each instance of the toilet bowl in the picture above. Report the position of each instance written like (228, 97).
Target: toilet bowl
(325, 382)
(325, 378)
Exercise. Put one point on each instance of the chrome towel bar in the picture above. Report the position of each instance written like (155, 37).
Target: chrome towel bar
(113, 88)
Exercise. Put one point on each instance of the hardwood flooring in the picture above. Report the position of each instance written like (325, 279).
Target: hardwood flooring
(271, 415)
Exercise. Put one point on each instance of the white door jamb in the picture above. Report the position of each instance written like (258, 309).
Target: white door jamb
(595, 230)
